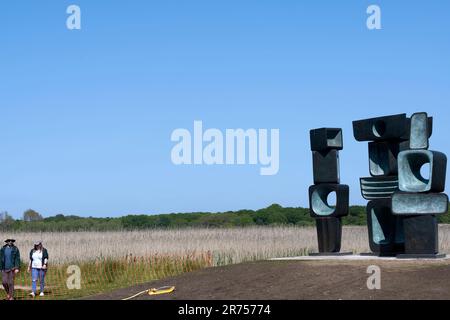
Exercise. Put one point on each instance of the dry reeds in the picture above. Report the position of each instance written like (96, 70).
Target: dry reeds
(226, 246)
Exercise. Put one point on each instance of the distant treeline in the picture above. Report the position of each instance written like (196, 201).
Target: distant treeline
(272, 215)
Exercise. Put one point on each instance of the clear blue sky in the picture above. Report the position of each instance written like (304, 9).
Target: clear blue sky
(86, 116)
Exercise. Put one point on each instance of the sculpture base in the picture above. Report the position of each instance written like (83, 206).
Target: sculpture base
(324, 254)
(421, 256)
(373, 254)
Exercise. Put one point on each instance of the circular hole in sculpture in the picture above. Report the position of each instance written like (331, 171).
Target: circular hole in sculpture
(323, 201)
(425, 171)
(331, 199)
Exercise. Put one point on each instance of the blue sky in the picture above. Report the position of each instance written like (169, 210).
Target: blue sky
(87, 114)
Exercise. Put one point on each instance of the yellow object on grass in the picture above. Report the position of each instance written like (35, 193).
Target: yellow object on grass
(161, 290)
(153, 291)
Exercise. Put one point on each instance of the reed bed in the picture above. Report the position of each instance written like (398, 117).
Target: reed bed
(234, 245)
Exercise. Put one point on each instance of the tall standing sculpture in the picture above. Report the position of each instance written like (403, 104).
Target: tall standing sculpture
(420, 198)
(401, 214)
(325, 146)
(386, 137)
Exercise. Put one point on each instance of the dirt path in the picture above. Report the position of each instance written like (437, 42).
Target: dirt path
(294, 280)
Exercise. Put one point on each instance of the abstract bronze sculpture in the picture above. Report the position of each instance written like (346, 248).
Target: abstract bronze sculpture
(404, 201)
(420, 198)
(325, 146)
(387, 136)
(401, 214)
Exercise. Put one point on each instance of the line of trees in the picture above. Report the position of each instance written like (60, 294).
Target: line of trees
(272, 215)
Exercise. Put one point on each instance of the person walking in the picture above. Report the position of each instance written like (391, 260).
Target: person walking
(10, 266)
(38, 267)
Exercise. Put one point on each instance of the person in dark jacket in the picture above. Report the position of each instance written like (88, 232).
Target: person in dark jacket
(10, 266)
(38, 267)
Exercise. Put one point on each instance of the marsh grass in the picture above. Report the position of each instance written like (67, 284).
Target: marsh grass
(232, 245)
